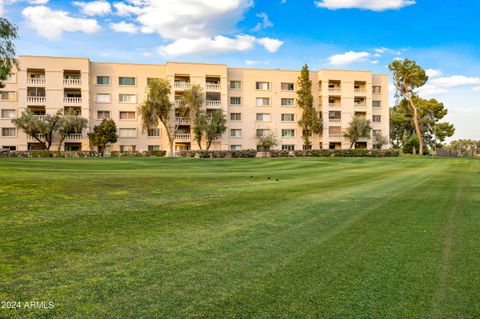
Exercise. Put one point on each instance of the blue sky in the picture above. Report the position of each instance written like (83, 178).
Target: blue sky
(441, 36)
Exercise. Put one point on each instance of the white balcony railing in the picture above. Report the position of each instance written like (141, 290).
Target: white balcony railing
(182, 120)
(182, 136)
(36, 99)
(36, 81)
(40, 136)
(213, 103)
(335, 135)
(334, 105)
(335, 90)
(72, 82)
(213, 87)
(335, 120)
(360, 105)
(75, 136)
(360, 91)
(178, 103)
(40, 117)
(182, 85)
(72, 100)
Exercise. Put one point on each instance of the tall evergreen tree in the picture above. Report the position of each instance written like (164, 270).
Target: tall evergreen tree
(310, 121)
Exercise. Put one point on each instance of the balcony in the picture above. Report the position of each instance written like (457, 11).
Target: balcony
(182, 120)
(335, 90)
(40, 117)
(360, 105)
(213, 87)
(31, 138)
(72, 100)
(334, 105)
(178, 102)
(335, 120)
(213, 103)
(36, 99)
(74, 137)
(182, 137)
(182, 85)
(360, 91)
(72, 82)
(36, 81)
(335, 135)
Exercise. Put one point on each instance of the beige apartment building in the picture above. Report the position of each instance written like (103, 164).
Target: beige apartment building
(255, 102)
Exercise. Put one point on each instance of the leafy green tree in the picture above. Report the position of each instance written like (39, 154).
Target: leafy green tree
(192, 103)
(265, 142)
(70, 123)
(310, 121)
(358, 128)
(216, 125)
(157, 108)
(464, 147)
(408, 76)
(41, 129)
(8, 33)
(379, 140)
(103, 134)
(401, 126)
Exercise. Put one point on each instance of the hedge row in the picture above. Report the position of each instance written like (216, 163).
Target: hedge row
(343, 153)
(219, 154)
(139, 154)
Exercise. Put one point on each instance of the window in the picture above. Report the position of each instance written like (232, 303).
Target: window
(103, 80)
(287, 102)
(9, 114)
(153, 132)
(236, 85)
(235, 100)
(377, 103)
(127, 132)
(9, 147)
(235, 147)
(265, 86)
(288, 117)
(124, 80)
(376, 132)
(127, 148)
(101, 115)
(376, 118)
(264, 117)
(9, 95)
(288, 133)
(235, 116)
(235, 132)
(9, 131)
(103, 98)
(150, 80)
(287, 86)
(127, 98)
(377, 89)
(263, 101)
(262, 132)
(288, 147)
(124, 115)
(152, 148)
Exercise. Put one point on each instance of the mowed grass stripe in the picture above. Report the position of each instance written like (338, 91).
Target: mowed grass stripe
(146, 255)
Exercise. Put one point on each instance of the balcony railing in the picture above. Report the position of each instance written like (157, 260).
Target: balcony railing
(335, 135)
(360, 91)
(72, 82)
(72, 100)
(335, 120)
(36, 99)
(75, 136)
(213, 103)
(335, 90)
(40, 117)
(182, 85)
(334, 105)
(182, 120)
(182, 136)
(178, 103)
(36, 81)
(360, 105)
(213, 87)
(40, 136)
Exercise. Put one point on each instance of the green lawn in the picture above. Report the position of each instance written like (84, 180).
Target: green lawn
(254, 238)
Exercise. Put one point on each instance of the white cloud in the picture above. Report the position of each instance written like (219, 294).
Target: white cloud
(455, 81)
(94, 8)
(38, 1)
(256, 62)
(124, 27)
(205, 45)
(266, 23)
(52, 23)
(348, 58)
(375, 5)
(432, 73)
(271, 45)
(126, 10)
(476, 89)
(430, 90)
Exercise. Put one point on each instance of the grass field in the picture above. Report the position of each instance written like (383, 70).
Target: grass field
(260, 238)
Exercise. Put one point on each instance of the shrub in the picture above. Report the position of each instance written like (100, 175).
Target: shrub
(347, 153)
(218, 154)
(279, 153)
